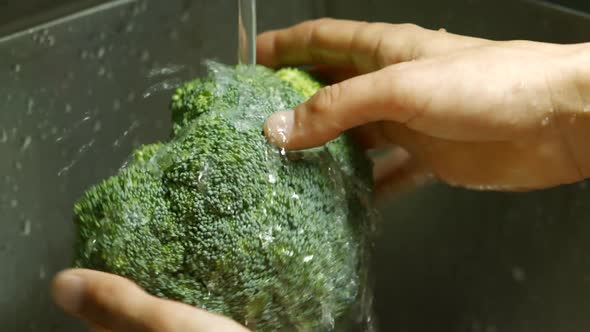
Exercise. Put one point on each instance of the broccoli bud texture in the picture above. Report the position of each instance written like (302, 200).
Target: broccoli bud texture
(218, 218)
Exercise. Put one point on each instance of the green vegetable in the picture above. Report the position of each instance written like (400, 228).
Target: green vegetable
(218, 218)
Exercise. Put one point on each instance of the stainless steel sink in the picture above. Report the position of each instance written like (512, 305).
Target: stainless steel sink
(78, 93)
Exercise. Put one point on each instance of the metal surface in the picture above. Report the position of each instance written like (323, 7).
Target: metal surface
(452, 260)
(72, 107)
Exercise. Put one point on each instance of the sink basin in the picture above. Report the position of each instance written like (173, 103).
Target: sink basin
(81, 88)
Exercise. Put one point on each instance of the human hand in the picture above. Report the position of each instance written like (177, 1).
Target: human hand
(112, 303)
(473, 112)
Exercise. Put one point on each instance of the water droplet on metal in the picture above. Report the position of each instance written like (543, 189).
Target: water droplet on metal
(101, 71)
(518, 274)
(3, 136)
(30, 106)
(145, 56)
(26, 143)
(100, 53)
(16, 68)
(26, 230)
(97, 126)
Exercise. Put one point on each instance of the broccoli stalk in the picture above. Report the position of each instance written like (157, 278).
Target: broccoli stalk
(218, 218)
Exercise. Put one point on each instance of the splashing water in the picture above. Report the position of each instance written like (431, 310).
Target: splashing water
(169, 84)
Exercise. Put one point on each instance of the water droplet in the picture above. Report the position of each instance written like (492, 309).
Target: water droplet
(129, 27)
(14, 203)
(26, 230)
(66, 168)
(166, 85)
(272, 179)
(16, 68)
(545, 121)
(185, 17)
(518, 274)
(173, 35)
(131, 97)
(307, 258)
(4, 136)
(100, 53)
(116, 104)
(30, 106)
(26, 143)
(101, 71)
(42, 272)
(84, 55)
(145, 56)
(97, 126)
(86, 146)
(18, 165)
(51, 40)
(68, 108)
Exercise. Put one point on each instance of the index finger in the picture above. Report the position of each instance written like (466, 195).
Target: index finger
(323, 41)
(361, 45)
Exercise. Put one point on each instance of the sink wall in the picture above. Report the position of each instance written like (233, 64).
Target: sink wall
(453, 260)
(74, 102)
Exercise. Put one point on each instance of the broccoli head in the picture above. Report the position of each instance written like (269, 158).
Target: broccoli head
(218, 218)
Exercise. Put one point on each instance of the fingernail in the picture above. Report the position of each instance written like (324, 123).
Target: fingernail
(279, 127)
(69, 292)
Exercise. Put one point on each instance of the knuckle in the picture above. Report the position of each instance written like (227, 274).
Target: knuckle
(323, 100)
(408, 28)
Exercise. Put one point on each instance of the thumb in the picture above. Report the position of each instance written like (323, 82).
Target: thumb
(116, 304)
(364, 99)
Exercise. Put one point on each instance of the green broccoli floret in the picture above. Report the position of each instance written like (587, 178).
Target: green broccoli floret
(218, 218)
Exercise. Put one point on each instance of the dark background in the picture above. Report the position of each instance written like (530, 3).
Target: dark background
(19, 14)
(447, 260)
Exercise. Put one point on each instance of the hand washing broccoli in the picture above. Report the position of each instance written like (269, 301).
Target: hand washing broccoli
(218, 218)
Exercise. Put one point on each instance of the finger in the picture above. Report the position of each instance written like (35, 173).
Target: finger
(117, 304)
(323, 41)
(334, 109)
(365, 46)
(397, 172)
